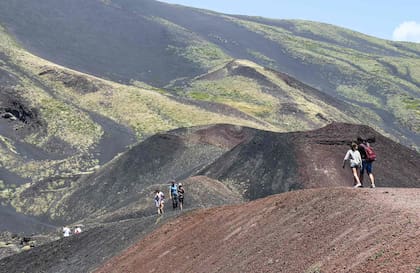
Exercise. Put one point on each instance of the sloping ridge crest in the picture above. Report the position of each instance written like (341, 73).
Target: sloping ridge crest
(313, 230)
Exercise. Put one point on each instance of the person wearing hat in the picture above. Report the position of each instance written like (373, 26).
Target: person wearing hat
(181, 195)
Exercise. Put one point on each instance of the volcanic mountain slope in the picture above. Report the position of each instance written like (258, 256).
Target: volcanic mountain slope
(320, 230)
(251, 162)
(163, 44)
(57, 124)
(247, 163)
(52, 113)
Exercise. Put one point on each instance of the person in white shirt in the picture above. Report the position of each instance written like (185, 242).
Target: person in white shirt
(66, 231)
(355, 159)
(159, 201)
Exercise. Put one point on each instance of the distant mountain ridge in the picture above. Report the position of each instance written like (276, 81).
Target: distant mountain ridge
(165, 45)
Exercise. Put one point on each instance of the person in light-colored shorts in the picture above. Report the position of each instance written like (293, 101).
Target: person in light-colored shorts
(355, 159)
(159, 201)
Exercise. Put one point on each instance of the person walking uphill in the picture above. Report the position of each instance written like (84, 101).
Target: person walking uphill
(181, 192)
(159, 201)
(368, 156)
(353, 155)
(173, 194)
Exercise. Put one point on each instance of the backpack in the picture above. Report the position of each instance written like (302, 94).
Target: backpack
(370, 153)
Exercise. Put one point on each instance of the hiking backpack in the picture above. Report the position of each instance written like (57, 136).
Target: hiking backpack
(370, 153)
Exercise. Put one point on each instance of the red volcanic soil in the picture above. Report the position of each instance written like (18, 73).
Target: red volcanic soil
(316, 230)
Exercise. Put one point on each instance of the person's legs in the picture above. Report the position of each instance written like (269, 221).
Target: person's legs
(181, 202)
(362, 171)
(369, 172)
(161, 207)
(174, 202)
(356, 177)
(372, 180)
(157, 204)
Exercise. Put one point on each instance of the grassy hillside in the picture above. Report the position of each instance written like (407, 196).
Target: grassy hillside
(271, 96)
(167, 45)
(57, 124)
(364, 70)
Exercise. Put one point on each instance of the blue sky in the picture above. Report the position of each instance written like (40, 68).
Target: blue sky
(387, 19)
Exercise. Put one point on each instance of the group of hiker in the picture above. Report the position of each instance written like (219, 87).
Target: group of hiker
(67, 231)
(176, 194)
(360, 157)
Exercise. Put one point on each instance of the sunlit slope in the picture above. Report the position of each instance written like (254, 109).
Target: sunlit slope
(370, 72)
(271, 96)
(166, 45)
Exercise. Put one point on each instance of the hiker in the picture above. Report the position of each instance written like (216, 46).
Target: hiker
(353, 155)
(159, 201)
(368, 156)
(66, 231)
(173, 194)
(181, 195)
(77, 230)
(25, 240)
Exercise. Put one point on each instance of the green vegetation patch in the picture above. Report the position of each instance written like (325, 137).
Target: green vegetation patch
(239, 92)
(412, 104)
(266, 60)
(358, 93)
(197, 50)
(69, 124)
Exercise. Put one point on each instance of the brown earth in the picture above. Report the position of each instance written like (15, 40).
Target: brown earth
(315, 230)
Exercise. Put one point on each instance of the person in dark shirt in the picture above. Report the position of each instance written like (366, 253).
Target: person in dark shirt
(367, 165)
(181, 192)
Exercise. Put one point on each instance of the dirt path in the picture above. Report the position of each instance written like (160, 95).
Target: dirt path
(321, 230)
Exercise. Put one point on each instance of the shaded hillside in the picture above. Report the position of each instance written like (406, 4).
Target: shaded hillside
(162, 44)
(322, 230)
(250, 162)
(104, 239)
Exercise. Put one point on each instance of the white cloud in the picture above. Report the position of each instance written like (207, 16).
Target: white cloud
(407, 31)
